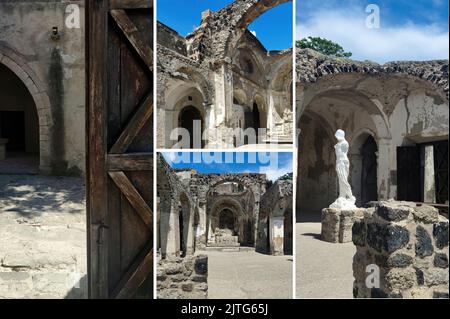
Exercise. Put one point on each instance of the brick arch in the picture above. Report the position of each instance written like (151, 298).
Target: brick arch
(41, 100)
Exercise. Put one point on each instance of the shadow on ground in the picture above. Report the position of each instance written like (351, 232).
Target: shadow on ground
(30, 196)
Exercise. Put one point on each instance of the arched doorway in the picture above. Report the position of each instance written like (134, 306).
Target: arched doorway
(369, 171)
(19, 126)
(256, 118)
(227, 220)
(186, 119)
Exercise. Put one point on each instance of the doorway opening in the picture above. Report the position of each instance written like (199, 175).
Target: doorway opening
(369, 171)
(186, 119)
(19, 126)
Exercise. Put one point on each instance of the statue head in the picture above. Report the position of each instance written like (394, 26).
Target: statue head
(340, 135)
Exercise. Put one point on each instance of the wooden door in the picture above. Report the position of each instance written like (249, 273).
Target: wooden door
(120, 148)
(408, 173)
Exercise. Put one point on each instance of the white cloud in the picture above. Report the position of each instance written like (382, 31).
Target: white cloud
(389, 43)
(273, 172)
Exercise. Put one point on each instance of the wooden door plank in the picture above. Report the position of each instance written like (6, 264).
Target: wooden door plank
(134, 37)
(133, 196)
(131, 4)
(97, 203)
(136, 274)
(130, 162)
(138, 120)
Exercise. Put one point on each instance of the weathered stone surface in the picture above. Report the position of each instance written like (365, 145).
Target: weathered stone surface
(330, 225)
(440, 233)
(399, 260)
(388, 238)
(393, 212)
(410, 266)
(426, 214)
(424, 247)
(441, 260)
(177, 279)
(359, 233)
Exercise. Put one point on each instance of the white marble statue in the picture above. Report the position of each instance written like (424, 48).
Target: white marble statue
(346, 200)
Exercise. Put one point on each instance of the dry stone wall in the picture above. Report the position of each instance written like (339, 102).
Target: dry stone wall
(183, 278)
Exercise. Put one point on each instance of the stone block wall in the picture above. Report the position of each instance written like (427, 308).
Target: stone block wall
(183, 278)
(409, 246)
(337, 224)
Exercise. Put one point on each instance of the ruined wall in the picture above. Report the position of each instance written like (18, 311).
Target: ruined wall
(398, 104)
(275, 219)
(210, 78)
(183, 278)
(409, 245)
(53, 71)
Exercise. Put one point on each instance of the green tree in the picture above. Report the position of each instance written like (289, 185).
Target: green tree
(324, 46)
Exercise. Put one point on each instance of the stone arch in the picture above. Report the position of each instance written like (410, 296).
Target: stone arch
(243, 220)
(41, 99)
(244, 13)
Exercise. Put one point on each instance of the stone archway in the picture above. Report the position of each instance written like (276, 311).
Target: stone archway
(41, 99)
(188, 118)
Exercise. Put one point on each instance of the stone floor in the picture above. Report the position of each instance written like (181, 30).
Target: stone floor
(43, 237)
(324, 270)
(249, 275)
(19, 163)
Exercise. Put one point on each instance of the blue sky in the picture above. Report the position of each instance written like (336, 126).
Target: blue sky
(273, 28)
(274, 164)
(409, 30)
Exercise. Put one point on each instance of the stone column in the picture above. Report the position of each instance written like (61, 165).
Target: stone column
(383, 169)
(223, 81)
(169, 223)
(429, 189)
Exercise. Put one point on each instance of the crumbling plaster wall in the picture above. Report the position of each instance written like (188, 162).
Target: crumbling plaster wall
(53, 71)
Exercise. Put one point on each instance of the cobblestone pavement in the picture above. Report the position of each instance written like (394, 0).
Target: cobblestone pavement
(43, 237)
(324, 270)
(249, 275)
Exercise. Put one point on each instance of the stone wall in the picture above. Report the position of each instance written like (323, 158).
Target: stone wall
(409, 245)
(276, 216)
(53, 70)
(183, 278)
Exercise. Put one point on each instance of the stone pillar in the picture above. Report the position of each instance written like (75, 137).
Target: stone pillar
(337, 224)
(429, 189)
(383, 170)
(169, 223)
(276, 235)
(401, 252)
(223, 107)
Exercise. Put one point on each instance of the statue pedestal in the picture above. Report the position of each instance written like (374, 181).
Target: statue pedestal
(337, 224)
